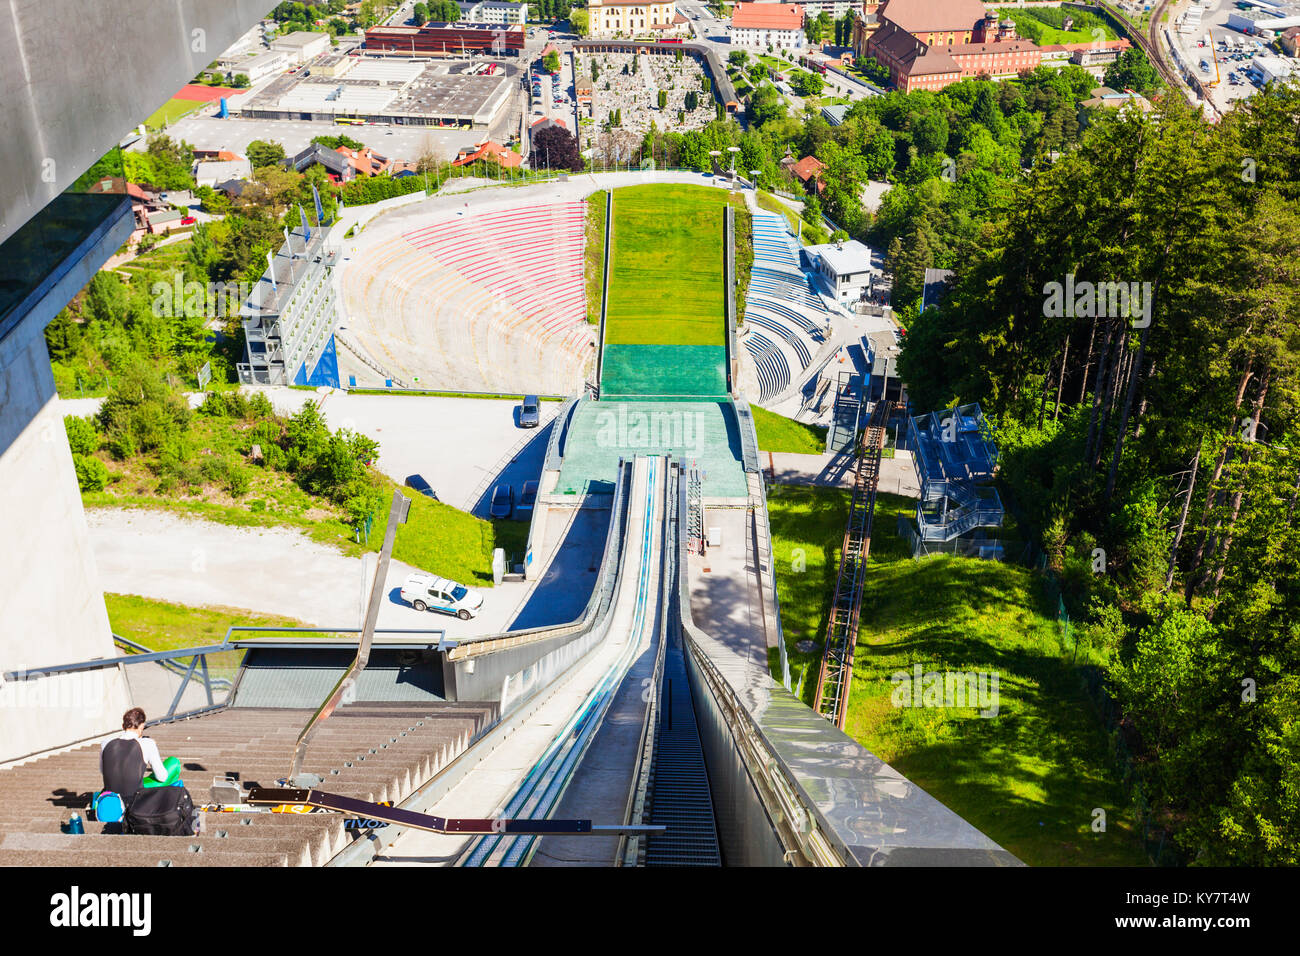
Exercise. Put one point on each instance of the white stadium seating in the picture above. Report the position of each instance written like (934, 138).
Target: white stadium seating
(493, 301)
(784, 316)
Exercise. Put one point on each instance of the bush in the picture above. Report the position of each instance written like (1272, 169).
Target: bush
(83, 439)
(237, 481)
(92, 474)
(259, 406)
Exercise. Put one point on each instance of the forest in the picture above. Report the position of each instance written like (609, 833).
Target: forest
(1128, 316)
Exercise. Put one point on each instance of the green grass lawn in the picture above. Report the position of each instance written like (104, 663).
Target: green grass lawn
(743, 254)
(667, 281)
(595, 254)
(1029, 777)
(1044, 34)
(162, 626)
(426, 393)
(171, 111)
(778, 433)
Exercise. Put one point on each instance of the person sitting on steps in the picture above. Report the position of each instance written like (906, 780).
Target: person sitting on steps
(130, 761)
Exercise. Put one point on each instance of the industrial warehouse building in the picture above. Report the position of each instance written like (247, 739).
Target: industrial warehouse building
(383, 90)
(448, 39)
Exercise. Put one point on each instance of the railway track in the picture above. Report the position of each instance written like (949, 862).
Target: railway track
(1149, 43)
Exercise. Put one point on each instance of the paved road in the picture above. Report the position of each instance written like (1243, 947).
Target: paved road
(897, 474)
(159, 555)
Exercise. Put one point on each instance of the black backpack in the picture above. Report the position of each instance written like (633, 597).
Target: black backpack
(124, 767)
(161, 811)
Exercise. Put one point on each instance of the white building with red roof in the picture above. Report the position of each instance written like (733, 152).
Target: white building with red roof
(763, 25)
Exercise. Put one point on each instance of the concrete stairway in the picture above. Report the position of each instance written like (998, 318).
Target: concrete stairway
(368, 751)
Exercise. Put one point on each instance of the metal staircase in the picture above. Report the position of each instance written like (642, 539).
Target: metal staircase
(846, 414)
(954, 460)
(836, 674)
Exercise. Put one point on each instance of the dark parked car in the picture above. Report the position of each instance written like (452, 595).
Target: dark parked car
(417, 483)
(503, 501)
(528, 412)
(527, 498)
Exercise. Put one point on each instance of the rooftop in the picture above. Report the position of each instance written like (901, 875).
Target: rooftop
(270, 298)
(933, 16)
(300, 38)
(843, 257)
(767, 16)
(808, 167)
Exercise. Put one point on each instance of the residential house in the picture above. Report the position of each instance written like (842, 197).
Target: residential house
(808, 171)
(339, 168)
(365, 161)
(489, 150)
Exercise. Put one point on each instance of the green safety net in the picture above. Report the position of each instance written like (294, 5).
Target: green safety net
(667, 371)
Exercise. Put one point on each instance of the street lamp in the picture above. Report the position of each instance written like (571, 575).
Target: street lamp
(733, 150)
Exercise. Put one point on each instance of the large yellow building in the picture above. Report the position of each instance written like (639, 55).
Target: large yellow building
(632, 17)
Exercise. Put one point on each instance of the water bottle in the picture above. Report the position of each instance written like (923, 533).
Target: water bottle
(75, 825)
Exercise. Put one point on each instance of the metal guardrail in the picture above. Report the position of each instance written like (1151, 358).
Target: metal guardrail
(198, 672)
(558, 425)
(748, 436)
(167, 663)
(797, 825)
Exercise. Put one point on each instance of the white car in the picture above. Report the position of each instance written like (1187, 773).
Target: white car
(426, 592)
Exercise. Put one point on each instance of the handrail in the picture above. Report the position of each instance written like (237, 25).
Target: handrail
(100, 663)
(166, 664)
(227, 644)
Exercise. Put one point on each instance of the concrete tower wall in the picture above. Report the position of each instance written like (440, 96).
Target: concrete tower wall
(79, 76)
(76, 77)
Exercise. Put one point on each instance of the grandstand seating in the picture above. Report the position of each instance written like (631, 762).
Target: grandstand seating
(369, 751)
(756, 317)
(485, 302)
(781, 302)
(771, 363)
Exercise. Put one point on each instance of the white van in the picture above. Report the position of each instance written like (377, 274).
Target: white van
(425, 592)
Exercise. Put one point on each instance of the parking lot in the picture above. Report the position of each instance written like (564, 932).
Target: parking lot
(460, 446)
(1241, 50)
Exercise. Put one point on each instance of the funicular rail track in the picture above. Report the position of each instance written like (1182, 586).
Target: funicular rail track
(836, 673)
